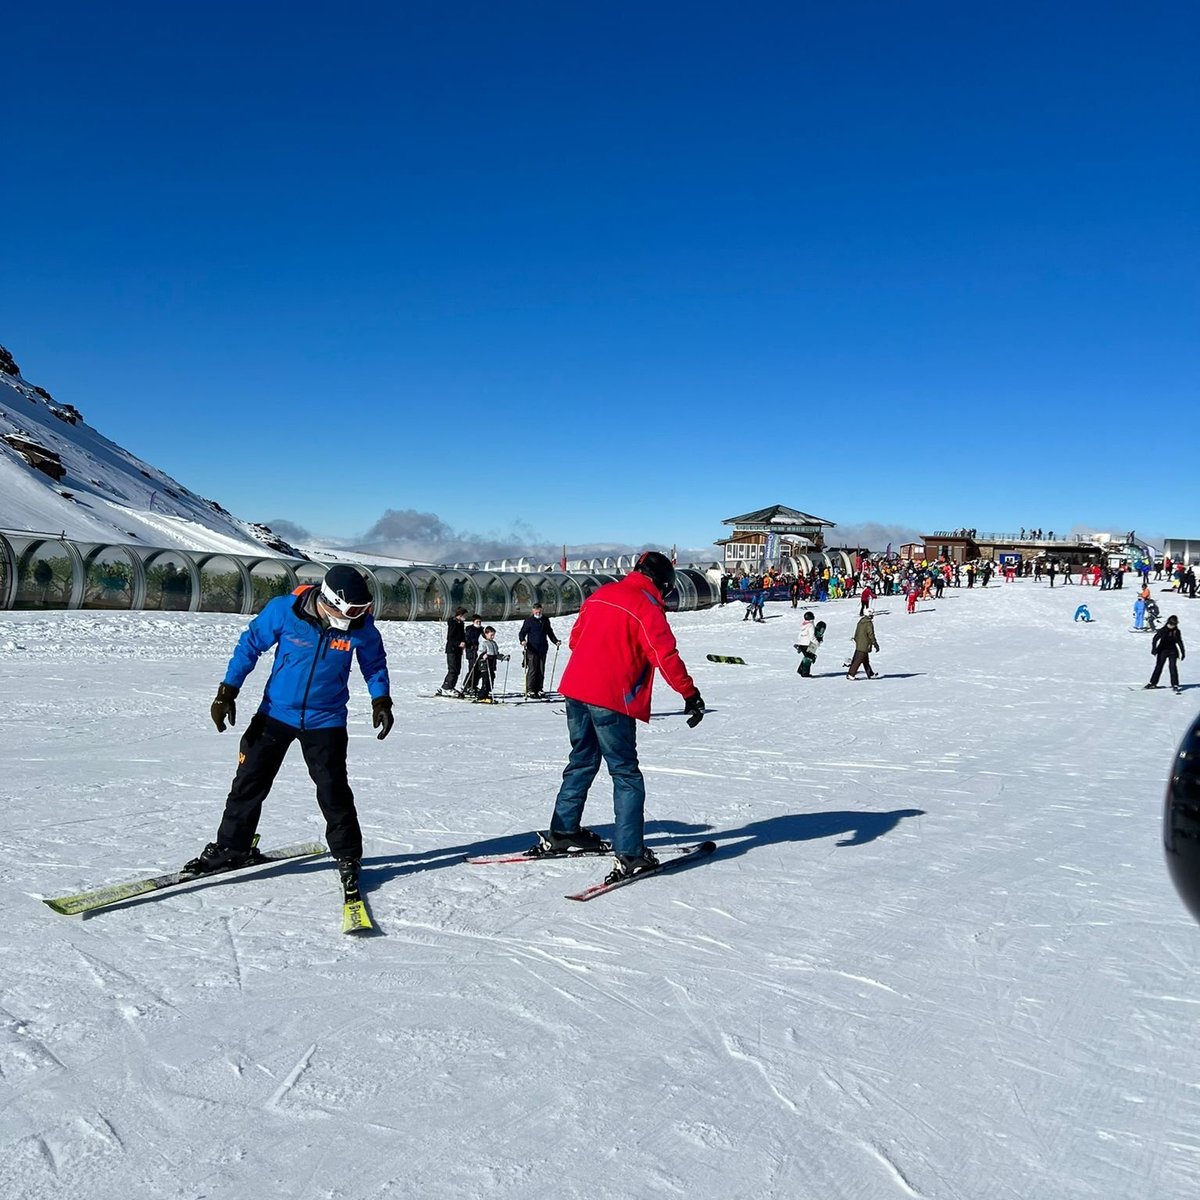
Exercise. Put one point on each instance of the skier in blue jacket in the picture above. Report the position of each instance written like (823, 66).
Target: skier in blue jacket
(315, 632)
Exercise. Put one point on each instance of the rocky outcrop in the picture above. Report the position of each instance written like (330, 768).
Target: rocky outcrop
(274, 541)
(36, 455)
(7, 365)
(66, 412)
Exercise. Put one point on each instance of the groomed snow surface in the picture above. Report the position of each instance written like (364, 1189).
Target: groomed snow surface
(936, 955)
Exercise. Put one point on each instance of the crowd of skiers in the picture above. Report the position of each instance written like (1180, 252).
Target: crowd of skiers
(926, 580)
(620, 639)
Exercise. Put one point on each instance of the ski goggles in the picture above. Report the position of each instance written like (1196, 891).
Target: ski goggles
(333, 600)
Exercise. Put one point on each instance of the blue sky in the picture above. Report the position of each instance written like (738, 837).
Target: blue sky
(615, 272)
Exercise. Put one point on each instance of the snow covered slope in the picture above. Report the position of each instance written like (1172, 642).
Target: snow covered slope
(936, 956)
(59, 475)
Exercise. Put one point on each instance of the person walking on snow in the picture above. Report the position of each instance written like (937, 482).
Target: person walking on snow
(808, 632)
(619, 638)
(535, 637)
(1166, 648)
(315, 633)
(865, 597)
(864, 643)
(807, 636)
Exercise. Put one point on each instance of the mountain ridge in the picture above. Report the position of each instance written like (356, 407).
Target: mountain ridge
(60, 476)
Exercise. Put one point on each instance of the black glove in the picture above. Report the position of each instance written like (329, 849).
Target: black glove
(694, 704)
(223, 707)
(382, 718)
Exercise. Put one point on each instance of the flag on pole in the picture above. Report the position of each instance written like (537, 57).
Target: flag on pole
(563, 563)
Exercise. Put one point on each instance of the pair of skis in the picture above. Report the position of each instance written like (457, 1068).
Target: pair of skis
(355, 918)
(679, 858)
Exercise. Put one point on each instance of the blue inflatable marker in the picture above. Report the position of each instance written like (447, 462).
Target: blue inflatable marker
(1082, 614)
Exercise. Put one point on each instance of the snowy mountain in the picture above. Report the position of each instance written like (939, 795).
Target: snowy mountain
(59, 475)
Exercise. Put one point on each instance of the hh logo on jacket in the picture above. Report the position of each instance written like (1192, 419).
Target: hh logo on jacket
(340, 644)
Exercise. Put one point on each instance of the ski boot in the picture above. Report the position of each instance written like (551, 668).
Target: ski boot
(215, 857)
(348, 872)
(581, 841)
(632, 864)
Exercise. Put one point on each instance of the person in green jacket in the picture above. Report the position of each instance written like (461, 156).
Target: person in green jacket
(864, 642)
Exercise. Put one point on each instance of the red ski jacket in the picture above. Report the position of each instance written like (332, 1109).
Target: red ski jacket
(620, 636)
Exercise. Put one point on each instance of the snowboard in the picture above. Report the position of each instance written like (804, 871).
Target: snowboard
(809, 653)
(726, 658)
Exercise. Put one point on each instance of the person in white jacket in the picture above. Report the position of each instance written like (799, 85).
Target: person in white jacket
(808, 632)
(806, 644)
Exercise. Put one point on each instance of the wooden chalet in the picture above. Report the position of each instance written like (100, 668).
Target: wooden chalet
(763, 537)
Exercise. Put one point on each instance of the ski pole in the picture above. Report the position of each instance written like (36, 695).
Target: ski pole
(554, 667)
(504, 686)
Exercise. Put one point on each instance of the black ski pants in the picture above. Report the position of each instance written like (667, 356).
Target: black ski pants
(453, 667)
(482, 675)
(535, 671)
(1159, 661)
(261, 754)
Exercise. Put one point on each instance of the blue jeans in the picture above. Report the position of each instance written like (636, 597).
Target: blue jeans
(599, 733)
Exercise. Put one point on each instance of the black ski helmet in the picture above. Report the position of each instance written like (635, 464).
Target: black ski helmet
(347, 584)
(658, 569)
(1181, 820)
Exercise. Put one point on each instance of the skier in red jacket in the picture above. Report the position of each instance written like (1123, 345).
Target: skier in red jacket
(619, 639)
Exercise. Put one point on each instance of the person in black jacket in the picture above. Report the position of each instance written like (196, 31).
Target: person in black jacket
(1166, 648)
(456, 643)
(471, 634)
(535, 638)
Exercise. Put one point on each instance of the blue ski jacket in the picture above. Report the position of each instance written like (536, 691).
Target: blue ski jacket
(308, 684)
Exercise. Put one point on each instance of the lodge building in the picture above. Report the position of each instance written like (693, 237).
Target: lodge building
(780, 537)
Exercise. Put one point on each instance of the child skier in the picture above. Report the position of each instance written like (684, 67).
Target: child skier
(1139, 614)
(485, 665)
